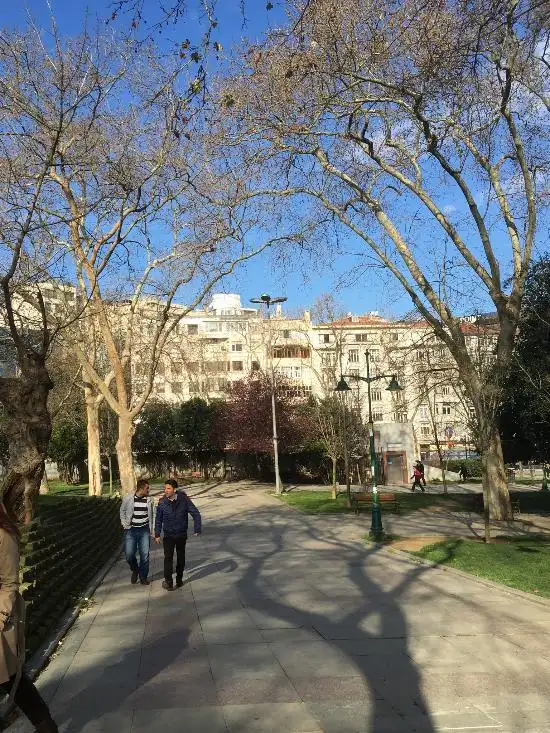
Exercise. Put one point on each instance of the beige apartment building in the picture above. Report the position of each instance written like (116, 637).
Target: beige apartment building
(226, 341)
(211, 347)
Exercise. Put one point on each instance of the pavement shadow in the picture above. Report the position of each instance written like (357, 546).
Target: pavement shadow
(393, 679)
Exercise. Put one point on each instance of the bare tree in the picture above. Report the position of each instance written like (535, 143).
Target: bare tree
(415, 127)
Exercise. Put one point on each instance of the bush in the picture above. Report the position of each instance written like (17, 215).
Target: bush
(67, 543)
(471, 465)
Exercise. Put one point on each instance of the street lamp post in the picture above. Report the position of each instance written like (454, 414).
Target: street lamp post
(268, 301)
(376, 530)
(342, 388)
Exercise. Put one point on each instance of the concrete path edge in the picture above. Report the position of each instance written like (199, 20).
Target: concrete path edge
(42, 656)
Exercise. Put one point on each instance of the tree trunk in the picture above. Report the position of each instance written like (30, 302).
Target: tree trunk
(110, 459)
(44, 486)
(334, 464)
(28, 428)
(94, 451)
(124, 455)
(495, 488)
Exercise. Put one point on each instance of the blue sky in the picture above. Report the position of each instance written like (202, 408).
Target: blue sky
(368, 289)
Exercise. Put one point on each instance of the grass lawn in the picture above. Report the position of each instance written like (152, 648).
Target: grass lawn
(520, 563)
(58, 488)
(320, 502)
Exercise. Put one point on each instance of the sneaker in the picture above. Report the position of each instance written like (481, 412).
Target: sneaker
(179, 582)
(134, 577)
(167, 586)
(144, 581)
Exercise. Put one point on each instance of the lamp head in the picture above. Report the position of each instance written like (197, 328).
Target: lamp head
(342, 386)
(394, 385)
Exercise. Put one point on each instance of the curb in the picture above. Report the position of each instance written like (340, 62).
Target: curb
(415, 560)
(43, 654)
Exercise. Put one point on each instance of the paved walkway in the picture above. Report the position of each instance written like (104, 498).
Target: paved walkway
(288, 624)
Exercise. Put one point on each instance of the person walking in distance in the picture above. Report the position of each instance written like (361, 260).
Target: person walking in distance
(136, 517)
(172, 521)
(13, 681)
(421, 468)
(417, 476)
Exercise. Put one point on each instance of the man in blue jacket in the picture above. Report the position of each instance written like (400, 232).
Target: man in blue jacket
(172, 520)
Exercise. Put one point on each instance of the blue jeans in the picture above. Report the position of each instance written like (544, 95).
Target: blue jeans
(136, 539)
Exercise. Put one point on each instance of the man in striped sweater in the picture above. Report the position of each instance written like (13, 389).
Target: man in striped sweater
(136, 517)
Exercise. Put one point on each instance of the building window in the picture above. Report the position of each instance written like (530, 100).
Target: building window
(445, 390)
(445, 409)
(394, 337)
(286, 334)
(377, 417)
(362, 337)
(236, 366)
(376, 395)
(400, 416)
(374, 355)
(423, 412)
(192, 329)
(291, 352)
(213, 326)
(193, 387)
(255, 366)
(177, 388)
(176, 368)
(420, 356)
(424, 430)
(324, 338)
(353, 356)
(354, 372)
(236, 347)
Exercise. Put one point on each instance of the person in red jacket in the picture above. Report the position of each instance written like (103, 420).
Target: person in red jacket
(172, 520)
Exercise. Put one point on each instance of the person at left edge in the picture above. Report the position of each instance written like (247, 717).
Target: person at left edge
(136, 517)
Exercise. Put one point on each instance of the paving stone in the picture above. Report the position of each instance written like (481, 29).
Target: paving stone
(248, 690)
(179, 720)
(293, 717)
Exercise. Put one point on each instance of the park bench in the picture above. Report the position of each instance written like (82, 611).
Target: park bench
(479, 505)
(387, 501)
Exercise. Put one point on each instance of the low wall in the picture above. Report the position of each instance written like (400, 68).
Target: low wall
(63, 548)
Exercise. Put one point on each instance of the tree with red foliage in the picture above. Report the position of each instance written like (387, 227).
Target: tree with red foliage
(248, 422)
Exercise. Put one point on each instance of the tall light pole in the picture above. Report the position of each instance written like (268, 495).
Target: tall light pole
(268, 301)
(376, 530)
(343, 388)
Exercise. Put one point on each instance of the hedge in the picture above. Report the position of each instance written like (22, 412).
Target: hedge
(66, 544)
(472, 466)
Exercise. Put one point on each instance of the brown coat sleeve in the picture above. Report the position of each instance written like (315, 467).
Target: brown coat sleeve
(9, 571)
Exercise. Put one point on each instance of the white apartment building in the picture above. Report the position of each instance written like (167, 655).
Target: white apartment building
(225, 341)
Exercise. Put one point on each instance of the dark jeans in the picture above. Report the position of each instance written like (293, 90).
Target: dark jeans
(28, 700)
(136, 539)
(170, 544)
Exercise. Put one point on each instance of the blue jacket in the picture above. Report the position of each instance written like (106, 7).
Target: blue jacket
(172, 516)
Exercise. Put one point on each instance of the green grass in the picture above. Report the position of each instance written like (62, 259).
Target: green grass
(59, 488)
(320, 502)
(522, 563)
(316, 502)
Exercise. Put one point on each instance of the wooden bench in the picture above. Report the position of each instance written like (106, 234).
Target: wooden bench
(387, 501)
(479, 505)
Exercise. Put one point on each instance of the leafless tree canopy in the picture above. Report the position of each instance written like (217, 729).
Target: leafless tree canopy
(423, 129)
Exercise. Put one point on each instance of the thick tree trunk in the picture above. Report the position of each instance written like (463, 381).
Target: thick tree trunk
(334, 465)
(94, 451)
(124, 455)
(495, 488)
(28, 428)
